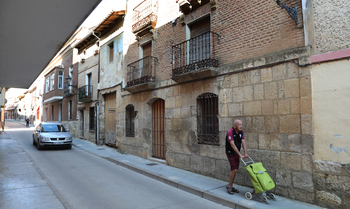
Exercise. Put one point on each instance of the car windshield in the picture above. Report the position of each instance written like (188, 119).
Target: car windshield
(53, 128)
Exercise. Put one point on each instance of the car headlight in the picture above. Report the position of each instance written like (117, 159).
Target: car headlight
(45, 139)
(69, 138)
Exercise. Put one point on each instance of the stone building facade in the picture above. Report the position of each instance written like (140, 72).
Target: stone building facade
(263, 78)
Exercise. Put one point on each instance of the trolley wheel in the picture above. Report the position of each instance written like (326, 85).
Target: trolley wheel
(264, 200)
(271, 196)
(248, 195)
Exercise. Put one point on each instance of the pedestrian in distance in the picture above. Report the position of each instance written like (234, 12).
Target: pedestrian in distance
(27, 121)
(234, 140)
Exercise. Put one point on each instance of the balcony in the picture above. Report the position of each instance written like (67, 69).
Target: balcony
(85, 93)
(195, 58)
(144, 17)
(68, 90)
(141, 74)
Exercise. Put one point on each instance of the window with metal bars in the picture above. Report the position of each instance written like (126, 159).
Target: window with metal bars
(207, 119)
(129, 121)
(92, 118)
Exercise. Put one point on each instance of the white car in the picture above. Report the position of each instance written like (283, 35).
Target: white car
(52, 134)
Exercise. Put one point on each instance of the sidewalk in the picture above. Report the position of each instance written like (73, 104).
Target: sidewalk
(206, 187)
(22, 183)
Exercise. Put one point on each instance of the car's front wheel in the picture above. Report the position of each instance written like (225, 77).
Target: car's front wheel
(39, 146)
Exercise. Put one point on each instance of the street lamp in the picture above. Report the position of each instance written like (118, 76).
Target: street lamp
(293, 12)
(68, 78)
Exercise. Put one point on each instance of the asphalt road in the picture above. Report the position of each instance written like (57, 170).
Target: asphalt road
(88, 181)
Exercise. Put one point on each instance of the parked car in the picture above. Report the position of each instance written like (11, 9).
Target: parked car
(52, 134)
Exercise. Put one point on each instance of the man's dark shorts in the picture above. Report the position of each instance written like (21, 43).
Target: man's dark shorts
(234, 161)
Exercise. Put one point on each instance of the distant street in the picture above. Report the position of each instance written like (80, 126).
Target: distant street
(86, 181)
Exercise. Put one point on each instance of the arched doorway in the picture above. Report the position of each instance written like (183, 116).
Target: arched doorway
(158, 129)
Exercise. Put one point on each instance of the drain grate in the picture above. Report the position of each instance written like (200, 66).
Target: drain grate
(152, 164)
(101, 149)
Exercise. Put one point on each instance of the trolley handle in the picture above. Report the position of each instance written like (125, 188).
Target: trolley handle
(248, 162)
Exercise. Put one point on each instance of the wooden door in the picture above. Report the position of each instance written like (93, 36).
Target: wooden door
(158, 129)
(110, 105)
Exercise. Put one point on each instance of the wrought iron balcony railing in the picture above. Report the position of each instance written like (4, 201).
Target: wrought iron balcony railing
(144, 15)
(142, 71)
(85, 93)
(195, 54)
(68, 90)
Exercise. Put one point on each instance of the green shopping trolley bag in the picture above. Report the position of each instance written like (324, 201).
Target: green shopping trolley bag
(260, 179)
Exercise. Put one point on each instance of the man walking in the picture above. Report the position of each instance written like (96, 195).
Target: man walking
(234, 141)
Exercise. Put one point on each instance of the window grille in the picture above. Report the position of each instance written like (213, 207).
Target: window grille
(92, 119)
(207, 119)
(129, 121)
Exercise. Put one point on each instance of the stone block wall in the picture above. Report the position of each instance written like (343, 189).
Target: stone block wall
(332, 184)
(275, 108)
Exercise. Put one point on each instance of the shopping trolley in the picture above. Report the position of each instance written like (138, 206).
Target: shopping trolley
(262, 181)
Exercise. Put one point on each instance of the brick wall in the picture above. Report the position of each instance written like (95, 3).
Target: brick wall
(253, 28)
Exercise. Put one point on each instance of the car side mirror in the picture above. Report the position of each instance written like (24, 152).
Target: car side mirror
(68, 130)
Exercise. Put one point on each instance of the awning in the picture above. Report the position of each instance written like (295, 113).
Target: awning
(109, 22)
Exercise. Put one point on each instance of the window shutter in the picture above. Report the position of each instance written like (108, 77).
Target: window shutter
(200, 27)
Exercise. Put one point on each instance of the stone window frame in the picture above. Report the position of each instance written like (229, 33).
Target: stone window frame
(207, 119)
(130, 120)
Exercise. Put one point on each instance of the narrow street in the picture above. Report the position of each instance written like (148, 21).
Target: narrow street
(78, 179)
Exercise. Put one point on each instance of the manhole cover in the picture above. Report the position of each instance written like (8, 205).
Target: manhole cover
(152, 164)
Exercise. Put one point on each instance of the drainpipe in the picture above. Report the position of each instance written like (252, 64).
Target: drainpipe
(97, 104)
